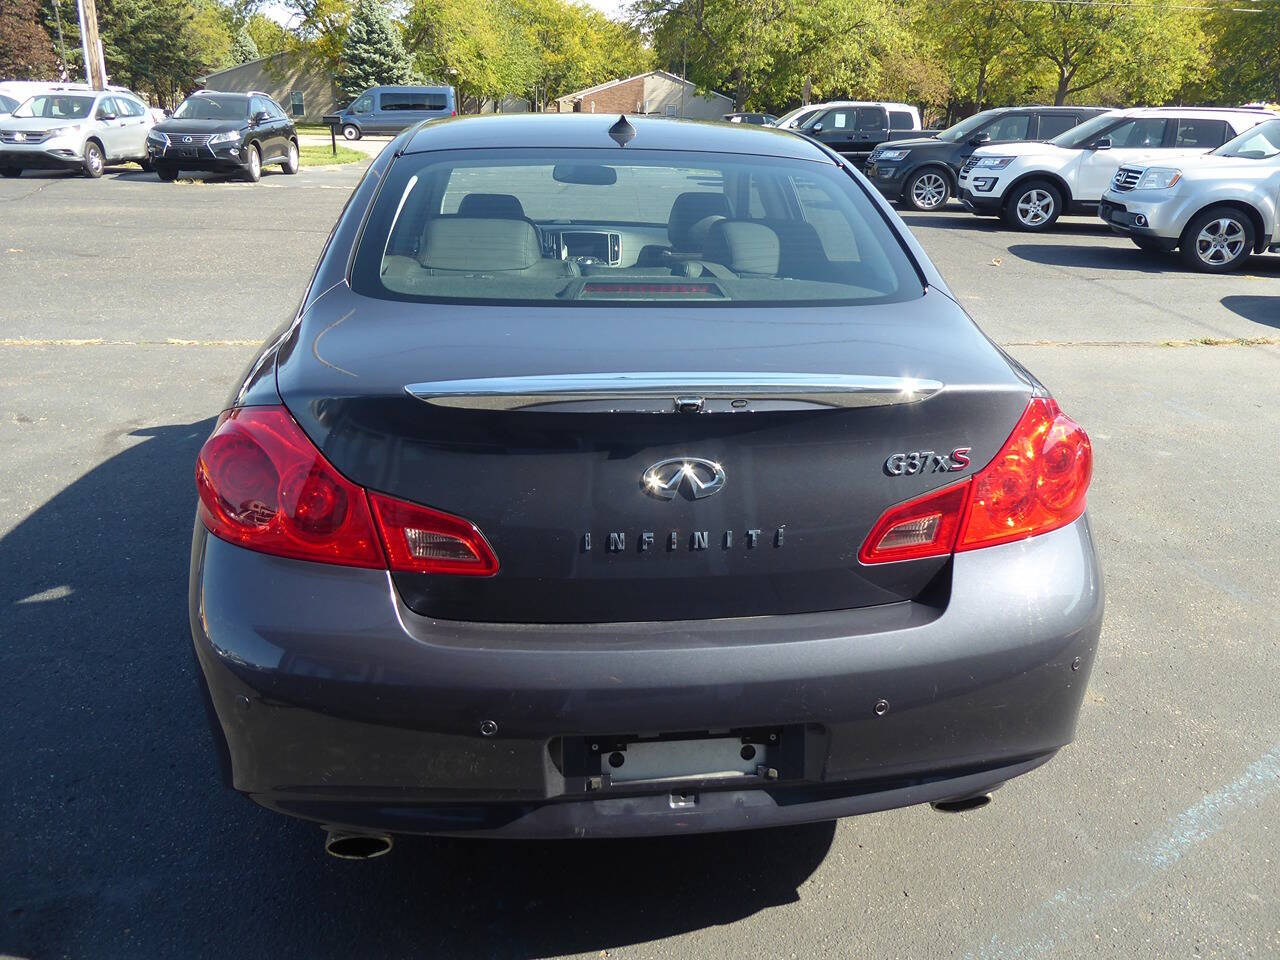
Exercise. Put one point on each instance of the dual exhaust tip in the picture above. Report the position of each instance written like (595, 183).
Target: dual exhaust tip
(366, 846)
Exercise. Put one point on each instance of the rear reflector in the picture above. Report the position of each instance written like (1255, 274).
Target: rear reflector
(264, 486)
(1036, 483)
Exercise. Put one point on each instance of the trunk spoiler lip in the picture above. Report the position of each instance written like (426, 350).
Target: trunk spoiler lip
(674, 392)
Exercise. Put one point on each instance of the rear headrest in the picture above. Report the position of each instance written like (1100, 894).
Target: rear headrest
(495, 206)
(467, 243)
(744, 247)
(690, 208)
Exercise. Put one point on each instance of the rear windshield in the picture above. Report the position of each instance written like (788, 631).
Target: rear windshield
(585, 226)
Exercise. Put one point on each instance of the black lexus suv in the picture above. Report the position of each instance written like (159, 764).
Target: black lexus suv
(224, 132)
(921, 173)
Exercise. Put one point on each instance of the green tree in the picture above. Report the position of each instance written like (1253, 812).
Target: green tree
(162, 46)
(372, 52)
(322, 29)
(477, 46)
(268, 36)
(1243, 42)
(1138, 51)
(26, 49)
(243, 48)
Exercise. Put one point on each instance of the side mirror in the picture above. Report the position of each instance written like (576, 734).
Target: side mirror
(261, 117)
(816, 128)
(107, 115)
(978, 139)
(1102, 143)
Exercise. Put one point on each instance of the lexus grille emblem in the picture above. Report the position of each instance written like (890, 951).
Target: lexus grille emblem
(698, 478)
(186, 139)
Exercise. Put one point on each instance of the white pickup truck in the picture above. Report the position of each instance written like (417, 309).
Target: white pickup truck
(1030, 185)
(1215, 209)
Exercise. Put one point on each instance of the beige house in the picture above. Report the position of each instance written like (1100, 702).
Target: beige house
(656, 92)
(306, 92)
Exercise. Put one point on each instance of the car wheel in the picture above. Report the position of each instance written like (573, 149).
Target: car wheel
(94, 162)
(351, 132)
(253, 169)
(290, 164)
(10, 172)
(1034, 206)
(1218, 240)
(927, 189)
(146, 164)
(166, 172)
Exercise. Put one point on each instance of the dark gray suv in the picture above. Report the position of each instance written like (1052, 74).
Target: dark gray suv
(605, 490)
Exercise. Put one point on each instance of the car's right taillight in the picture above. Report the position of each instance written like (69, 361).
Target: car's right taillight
(1036, 483)
(265, 486)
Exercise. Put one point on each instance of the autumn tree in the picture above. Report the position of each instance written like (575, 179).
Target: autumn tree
(26, 49)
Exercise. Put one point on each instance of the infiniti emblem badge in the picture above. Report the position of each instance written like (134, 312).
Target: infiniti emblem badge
(698, 478)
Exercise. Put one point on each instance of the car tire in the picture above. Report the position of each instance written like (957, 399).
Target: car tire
(167, 172)
(146, 164)
(253, 169)
(1217, 240)
(10, 172)
(290, 164)
(94, 161)
(1033, 206)
(927, 190)
(351, 132)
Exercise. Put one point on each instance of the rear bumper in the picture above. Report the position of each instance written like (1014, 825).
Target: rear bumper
(337, 704)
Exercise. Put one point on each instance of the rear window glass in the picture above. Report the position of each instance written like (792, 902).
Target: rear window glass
(586, 226)
(1053, 124)
(1202, 133)
(901, 120)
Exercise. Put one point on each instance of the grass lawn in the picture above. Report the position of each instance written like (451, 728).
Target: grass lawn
(319, 129)
(319, 156)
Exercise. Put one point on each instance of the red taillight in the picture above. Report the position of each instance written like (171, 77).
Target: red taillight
(1036, 483)
(421, 540)
(925, 527)
(263, 485)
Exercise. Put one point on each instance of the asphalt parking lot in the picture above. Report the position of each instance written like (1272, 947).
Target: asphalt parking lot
(130, 307)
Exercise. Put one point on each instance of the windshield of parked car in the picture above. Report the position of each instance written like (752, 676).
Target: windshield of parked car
(1260, 143)
(564, 226)
(56, 106)
(205, 107)
(1085, 133)
(959, 131)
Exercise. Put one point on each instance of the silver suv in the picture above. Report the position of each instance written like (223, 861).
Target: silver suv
(1216, 209)
(75, 130)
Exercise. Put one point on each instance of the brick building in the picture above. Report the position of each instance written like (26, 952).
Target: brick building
(656, 92)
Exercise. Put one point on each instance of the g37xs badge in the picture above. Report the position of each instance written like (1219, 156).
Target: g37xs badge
(926, 461)
(697, 477)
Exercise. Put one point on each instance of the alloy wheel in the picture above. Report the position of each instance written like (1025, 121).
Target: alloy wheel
(929, 191)
(1035, 207)
(1220, 241)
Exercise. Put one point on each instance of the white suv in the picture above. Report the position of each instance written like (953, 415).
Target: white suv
(1216, 209)
(75, 129)
(1032, 184)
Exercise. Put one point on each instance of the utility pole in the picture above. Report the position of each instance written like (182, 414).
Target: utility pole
(95, 71)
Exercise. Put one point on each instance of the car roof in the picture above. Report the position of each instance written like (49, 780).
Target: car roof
(1220, 113)
(585, 130)
(399, 87)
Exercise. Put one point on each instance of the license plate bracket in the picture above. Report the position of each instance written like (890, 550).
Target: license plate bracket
(707, 759)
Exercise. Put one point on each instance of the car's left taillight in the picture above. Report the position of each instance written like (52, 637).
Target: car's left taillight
(265, 486)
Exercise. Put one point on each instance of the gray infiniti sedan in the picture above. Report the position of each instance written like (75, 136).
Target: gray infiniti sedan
(633, 476)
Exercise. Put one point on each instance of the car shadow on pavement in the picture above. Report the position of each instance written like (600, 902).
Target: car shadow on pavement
(957, 218)
(1128, 258)
(1264, 310)
(120, 842)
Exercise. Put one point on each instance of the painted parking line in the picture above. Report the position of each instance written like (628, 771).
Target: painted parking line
(1058, 919)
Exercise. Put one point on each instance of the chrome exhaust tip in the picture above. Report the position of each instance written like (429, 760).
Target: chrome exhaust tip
(962, 804)
(356, 846)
